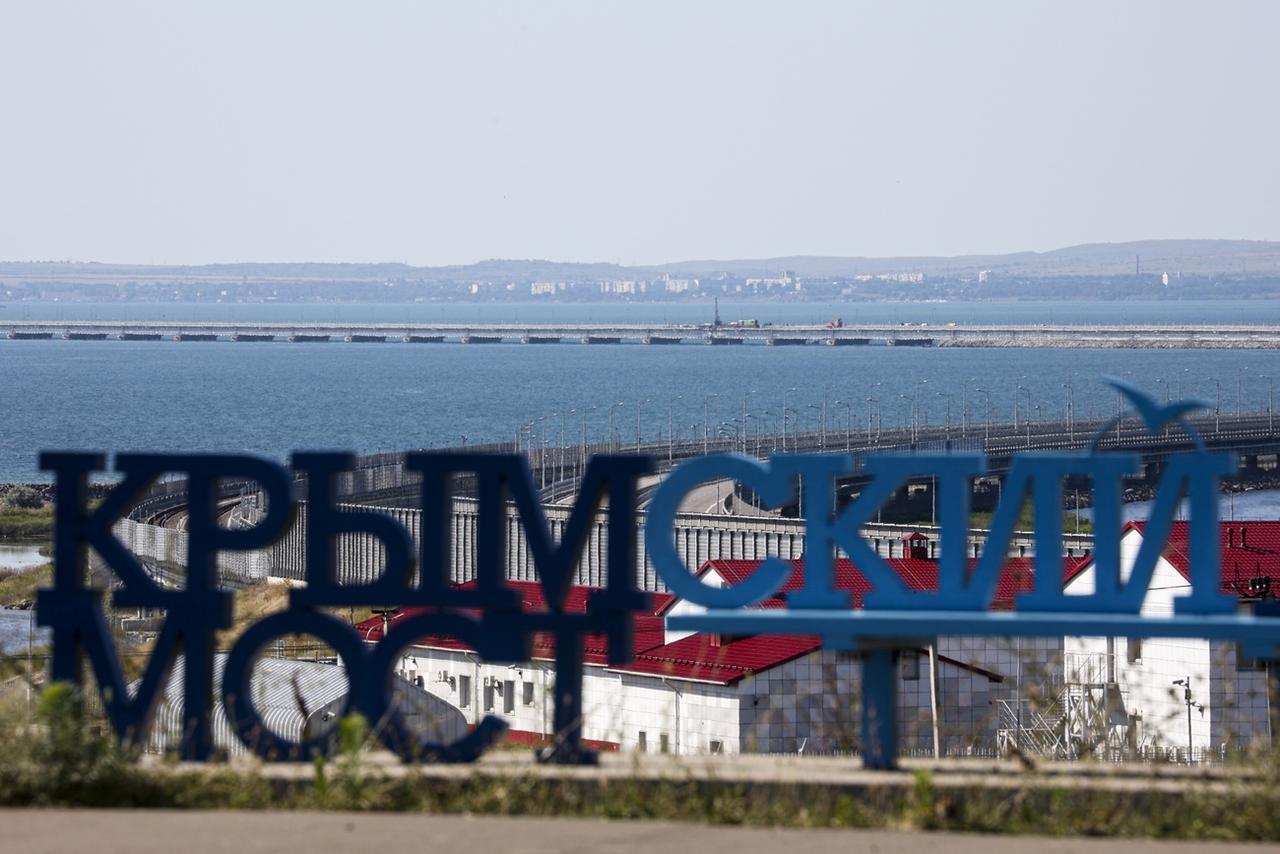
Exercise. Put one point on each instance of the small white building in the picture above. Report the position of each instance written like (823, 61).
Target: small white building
(1133, 693)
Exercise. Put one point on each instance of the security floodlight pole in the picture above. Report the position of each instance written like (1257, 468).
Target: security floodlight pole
(1186, 696)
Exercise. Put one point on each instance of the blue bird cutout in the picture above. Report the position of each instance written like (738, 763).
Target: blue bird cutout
(1154, 415)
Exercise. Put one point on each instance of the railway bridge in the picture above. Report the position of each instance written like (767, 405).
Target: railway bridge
(732, 530)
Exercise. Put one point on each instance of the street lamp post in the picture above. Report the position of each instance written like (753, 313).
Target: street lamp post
(848, 428)
(1027, 418)
(612, 407)
(639, 409)
(946, 395)
(582, 457)
(561, 453)
(822, 424)
(706, 398)
(670, 429)
(784, 418)
(983, 391)
(1217, 404)
(1069, 385)
(753, 421)
(915, 408)
(1271, 400)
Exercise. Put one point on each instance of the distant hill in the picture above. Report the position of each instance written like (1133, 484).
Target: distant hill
(1092, 259)
(1089, 259)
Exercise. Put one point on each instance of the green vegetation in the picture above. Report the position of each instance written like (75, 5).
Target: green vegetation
(61, 760)
(24, 515)
(1027, 523)
(21, 523)
(18, 588)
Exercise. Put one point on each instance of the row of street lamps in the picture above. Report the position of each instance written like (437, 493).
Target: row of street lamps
(789, 421)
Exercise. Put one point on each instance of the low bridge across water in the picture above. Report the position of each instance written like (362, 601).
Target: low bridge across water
(1202, 336)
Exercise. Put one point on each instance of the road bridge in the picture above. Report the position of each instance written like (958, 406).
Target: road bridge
(1192, 336)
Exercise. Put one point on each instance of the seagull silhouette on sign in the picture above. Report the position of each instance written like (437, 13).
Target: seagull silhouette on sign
(1155, 415)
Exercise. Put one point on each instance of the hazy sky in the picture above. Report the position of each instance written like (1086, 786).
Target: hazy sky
(172, 132)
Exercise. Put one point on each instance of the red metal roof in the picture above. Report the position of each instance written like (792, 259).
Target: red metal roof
(648, 628)
(919, 574)
(1248, 550)
(707, 657)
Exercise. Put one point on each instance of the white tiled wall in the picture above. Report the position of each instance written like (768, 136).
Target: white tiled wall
(617, 706)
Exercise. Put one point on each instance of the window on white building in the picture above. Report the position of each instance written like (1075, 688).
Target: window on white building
(528, 693)
(508, 696)
(642, 742)
(464, 691)
(910, 664)
(664, 743)
(717, 746)
(488, 695)
(1133, 650)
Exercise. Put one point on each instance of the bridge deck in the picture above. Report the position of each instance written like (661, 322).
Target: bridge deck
(1203, 336)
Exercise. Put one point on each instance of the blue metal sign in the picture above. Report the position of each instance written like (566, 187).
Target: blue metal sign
(488, 617)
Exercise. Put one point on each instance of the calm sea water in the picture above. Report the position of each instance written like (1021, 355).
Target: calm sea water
(18, 557)
(270, 399)
(17, 628)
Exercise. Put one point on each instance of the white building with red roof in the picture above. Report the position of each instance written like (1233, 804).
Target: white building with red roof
(698, 693)
(1126, 692)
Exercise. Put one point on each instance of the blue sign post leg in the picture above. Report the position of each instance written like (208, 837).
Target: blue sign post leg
(880, 709)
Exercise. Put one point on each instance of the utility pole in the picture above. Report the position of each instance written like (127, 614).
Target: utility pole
(1186, 697)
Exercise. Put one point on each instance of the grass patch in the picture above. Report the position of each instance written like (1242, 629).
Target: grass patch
(18, 523)
(19, 587)
(60, 760)
(1026, 521)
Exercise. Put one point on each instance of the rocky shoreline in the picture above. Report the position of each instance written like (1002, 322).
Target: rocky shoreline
(1110, 343)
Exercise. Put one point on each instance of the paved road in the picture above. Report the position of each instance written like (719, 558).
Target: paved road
(143, 832)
